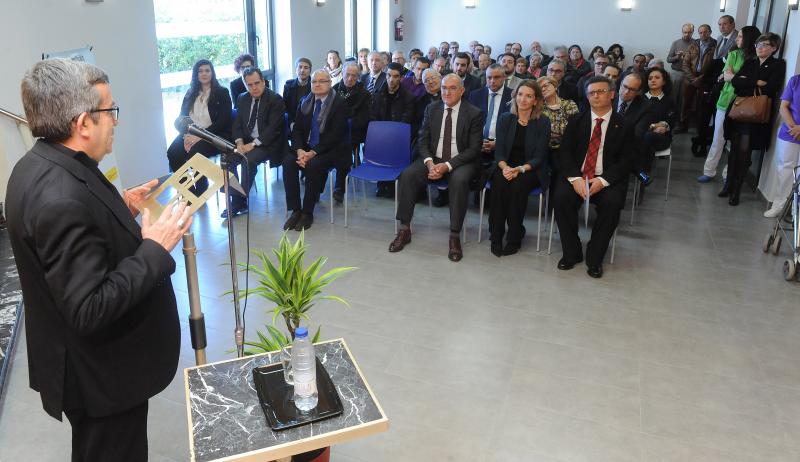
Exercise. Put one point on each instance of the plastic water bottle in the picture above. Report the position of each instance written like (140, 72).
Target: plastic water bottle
(304, 370)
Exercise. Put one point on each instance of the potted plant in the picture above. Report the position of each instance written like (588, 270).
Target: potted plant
(292, 287)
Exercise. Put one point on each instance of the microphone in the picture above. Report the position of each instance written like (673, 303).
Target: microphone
(182, 124)
(219, 143)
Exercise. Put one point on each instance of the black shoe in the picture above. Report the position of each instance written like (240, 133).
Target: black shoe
(292, 221)
(242, 210)
(724, 192)
(497, 249)
(510, 249)
(595, 271)
(645, 178)
(442, 199)
(338, 196)
(734, 198)
(565, 264)
(305, 222)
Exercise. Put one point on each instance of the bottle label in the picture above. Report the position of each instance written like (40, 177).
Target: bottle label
(305, 388)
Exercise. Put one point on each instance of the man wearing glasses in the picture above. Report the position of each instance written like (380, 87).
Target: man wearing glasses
(596, 152)
(101, 318)
(557, 70)
(319, 142)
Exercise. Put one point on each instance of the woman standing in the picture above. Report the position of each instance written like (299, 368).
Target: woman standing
(787, 151)
(744, 49)
(765, 74)
(334, 66)
(207, 105)
(520, 166)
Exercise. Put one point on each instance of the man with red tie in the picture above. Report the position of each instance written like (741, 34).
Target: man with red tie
(595, 158)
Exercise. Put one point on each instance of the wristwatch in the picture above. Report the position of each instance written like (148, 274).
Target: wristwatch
(521, 169)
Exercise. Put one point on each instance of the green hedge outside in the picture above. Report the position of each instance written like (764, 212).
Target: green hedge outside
(180, 54)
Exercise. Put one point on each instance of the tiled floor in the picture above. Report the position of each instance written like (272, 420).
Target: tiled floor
(686, 350)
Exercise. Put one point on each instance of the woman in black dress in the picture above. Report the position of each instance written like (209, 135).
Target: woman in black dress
(207, 105)
(764, 73)
(521, 151)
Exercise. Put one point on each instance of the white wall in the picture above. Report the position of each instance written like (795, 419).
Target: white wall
(651, 26)
(315, 30)
(124, 39)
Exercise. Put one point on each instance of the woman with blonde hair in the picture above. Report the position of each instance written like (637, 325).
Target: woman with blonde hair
(520, 166)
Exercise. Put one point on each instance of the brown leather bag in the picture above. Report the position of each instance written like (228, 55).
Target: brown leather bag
(751, 109)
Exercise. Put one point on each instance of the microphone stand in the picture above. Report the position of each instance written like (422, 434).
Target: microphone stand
(238, 332)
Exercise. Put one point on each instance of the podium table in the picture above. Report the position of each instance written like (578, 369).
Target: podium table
(226, 421)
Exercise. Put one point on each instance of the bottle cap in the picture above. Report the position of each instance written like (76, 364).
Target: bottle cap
(301, 332)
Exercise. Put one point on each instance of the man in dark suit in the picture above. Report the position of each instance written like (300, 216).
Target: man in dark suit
(460, 66)
(359, 105)
(557, 69)
(493, 100)
(433, 92)
(100, 314)
(392, 102)
(449, 146)
(600, 63)
(595, 161)
(375, 79)
(727, 37)
(258, 132)
(635, 110)
(296, 89)
(319, 141)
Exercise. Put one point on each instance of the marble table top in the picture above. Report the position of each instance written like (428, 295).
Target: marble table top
(226, 420)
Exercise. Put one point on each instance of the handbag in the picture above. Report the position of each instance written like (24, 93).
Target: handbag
(751, 109)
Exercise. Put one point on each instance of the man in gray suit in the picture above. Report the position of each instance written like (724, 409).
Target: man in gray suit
(727, 37)
(449, 146)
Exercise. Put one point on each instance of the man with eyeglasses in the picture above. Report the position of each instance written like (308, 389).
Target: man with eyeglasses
(493, 100)
(557, 70)
(432, 80)
(600, 63)
(449, 146)
(359, 102)
(596, 152)
(319, 142)
(635, 110)
(101, 318)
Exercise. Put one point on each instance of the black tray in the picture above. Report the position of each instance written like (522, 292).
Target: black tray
(276, 398)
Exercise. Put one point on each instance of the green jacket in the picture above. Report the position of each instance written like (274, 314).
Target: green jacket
(727, 95)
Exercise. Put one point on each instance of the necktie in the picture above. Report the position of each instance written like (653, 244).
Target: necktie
(489, 116)
(447, 140)
(371, 84)
(590, 164)
(721, 47)
(622, 108)
(313, 138)
(251, 123)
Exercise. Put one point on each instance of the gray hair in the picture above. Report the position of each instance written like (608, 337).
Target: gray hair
(351, 64)
(496, 67)
(560, 48)
(431, 71)
(557, 62)
(454, 76)
(56, 91)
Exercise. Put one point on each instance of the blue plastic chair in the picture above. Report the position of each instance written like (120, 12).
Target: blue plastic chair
(538, 192)
(387, 152)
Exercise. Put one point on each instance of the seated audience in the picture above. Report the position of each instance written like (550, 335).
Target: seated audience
(440, 65)
(587, 135)
(556, 70)
(656, 132)
(399, 57)
(413, 56)
(616, 55)
(208, 105)
(656, 62)
(520, 166)
(393, 103)
(363, 64)
(258, 132)
(600, 63)
(508, 62)
(488, 50)
(577, 66)
(612, 72)
(787, 149)
(516, 50)
(595, 50)
(375, 79)
(445, 152)
(444, 50)
(484, 61)
(433, 82)
(334, 66)
(433, 53)
(558, 111)
(765, 73)
(634, 109)
(493, 100)
(744, 49)
(296, 89)
(479, 50)
(412, 82)
(639, 65)
(535, 65)
(237, 85)
(359, 105)
(461, 63)
(521, 69)
(536, 47)
(319, 141)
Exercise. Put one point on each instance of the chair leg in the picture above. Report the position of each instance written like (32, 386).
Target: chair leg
(396, 190)
(669, 171)
(613, 246)
(364, 190)
(635, 194)
(266, 184)
(539, 222)
(550, 238)
(330, 192)
(346, 193)
(480, 213)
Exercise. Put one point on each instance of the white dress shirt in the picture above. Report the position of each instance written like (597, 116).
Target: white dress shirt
(493, 121)
(598, 169)
(199, 113)
(452, 141)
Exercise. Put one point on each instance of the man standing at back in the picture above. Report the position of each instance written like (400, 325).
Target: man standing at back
(727, 37)
(100, 314)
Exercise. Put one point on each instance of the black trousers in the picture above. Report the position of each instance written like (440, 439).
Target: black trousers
(120, 437)
(653, 142)
(509, 201)
(316, 171)
(566, 202)
(178, 156)
(415, 176)
(254, 158)
(741, 157)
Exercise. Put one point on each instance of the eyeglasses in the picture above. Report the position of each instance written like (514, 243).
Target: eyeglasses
(763, 45)
(597, 92)
(629, 88)
(320, 82)
(113, 110)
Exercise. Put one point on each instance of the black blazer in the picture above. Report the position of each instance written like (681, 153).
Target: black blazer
(537, 141)
(269, 119)
(379, 83)
(469, 133)
(237, 88)
(219, 109)
(471, 83)
(292, 94)
(359, 105)
(618, 149)
(480, 99)
(333, 141)
(771, 71)
(100, 313)
(399, 107)
(568, 91)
